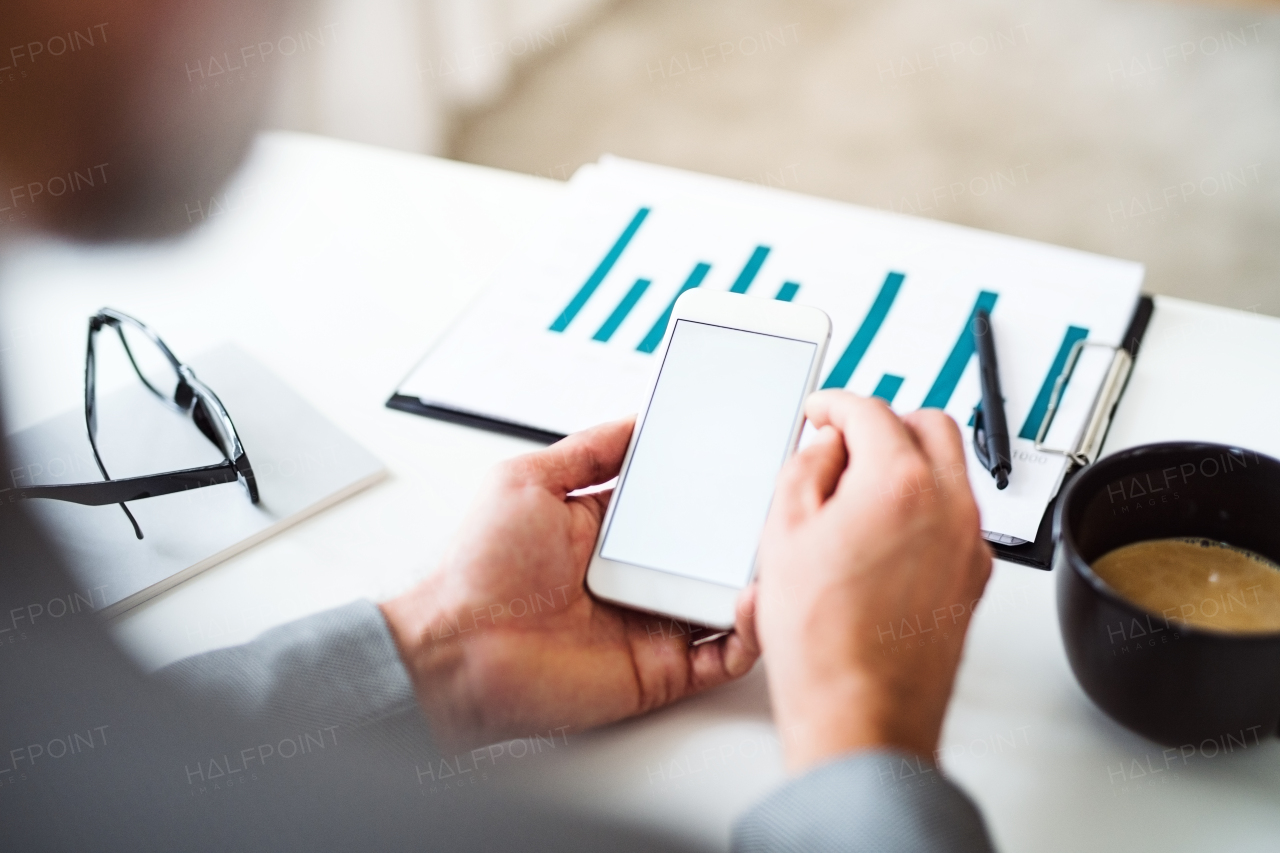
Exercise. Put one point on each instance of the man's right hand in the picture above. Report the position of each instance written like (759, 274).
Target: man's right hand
(869, 567)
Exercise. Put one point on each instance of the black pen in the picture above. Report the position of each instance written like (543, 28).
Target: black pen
(990, 429)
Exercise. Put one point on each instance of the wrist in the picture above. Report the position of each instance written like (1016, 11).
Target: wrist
(425, 630)
(837, 715)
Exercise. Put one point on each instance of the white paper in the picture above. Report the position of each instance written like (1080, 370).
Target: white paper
(503, 360)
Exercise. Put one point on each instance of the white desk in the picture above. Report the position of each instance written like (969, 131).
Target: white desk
(338, 264)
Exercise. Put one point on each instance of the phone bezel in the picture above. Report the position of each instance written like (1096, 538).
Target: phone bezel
(672, 595)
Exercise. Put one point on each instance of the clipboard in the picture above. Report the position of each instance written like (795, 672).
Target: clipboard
(1039, 553)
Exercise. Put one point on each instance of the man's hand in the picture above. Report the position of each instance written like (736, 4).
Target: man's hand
(869, 566)
(505, 640)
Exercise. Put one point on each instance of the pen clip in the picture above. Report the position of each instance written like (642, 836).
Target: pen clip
(980, 437)
(1090, 441)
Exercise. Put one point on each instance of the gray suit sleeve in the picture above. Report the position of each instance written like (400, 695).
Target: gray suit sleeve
(339, 667)
(881, 801)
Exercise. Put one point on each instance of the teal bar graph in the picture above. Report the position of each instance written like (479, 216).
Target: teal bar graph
(589, 286)
(1031, 428)
(787, 292)
(952, 369)
(651, 340)
(620, 313)
(861, 340)
(887, 387)
(748, 273)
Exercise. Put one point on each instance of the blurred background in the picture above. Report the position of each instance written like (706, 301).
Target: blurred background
(1146, 130)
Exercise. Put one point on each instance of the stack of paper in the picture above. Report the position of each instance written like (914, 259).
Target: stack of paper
(565, 338)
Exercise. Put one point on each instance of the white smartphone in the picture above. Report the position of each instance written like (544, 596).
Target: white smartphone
(723, 413)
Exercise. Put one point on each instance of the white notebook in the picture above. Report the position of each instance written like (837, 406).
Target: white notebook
(303, 464)
(564, 338)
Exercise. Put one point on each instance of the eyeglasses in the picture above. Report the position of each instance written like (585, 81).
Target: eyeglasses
(174, 384)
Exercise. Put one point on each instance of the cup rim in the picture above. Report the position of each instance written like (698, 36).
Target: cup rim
(1063, 536)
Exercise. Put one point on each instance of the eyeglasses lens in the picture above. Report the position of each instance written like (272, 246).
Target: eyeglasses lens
(212, 426)
(137, 433)
(151, 363)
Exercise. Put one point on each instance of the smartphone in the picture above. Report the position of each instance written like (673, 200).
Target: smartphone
(723, 413)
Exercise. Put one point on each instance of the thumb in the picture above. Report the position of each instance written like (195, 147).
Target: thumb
(809, 477)
(586, 458)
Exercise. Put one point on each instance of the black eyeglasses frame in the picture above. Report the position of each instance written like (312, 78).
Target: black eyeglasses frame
(191, 398)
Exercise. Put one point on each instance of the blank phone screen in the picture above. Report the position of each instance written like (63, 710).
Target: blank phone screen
(693, 500)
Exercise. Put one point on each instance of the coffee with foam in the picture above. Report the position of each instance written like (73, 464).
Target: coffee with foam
(1197, 582)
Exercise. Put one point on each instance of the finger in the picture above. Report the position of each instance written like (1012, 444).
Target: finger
(937, 434)
(973, 584)
(742, 647)
(872, 432)
(809, 477)
(942, 442)
(595, 502)
(586, 458)
(731, 656)
(981, 565)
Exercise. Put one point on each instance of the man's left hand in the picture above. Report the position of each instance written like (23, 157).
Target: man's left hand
(505, 640)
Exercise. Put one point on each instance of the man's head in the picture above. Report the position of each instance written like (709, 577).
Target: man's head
(117, 114)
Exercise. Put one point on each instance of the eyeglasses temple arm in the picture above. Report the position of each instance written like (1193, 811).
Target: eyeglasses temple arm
(131, 488)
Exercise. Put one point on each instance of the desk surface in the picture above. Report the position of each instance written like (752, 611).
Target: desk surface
(338, 264)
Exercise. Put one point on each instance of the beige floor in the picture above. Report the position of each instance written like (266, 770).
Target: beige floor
(1144, 130)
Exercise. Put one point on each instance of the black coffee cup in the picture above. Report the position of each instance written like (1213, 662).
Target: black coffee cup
(1174, 683)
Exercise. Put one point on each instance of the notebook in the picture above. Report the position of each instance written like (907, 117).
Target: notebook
(565, 337)
(303, 464)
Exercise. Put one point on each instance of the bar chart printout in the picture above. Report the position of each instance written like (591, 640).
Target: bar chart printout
(620, 313)
(1040, 408)
(589, 287)
(945, 385)
(656, 333)
(659, 328)
(564, 338)
(887, 387)
(861, 340)
(788, 291)
(749, 272)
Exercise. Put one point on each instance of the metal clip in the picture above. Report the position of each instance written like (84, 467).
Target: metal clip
(1090, 443)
